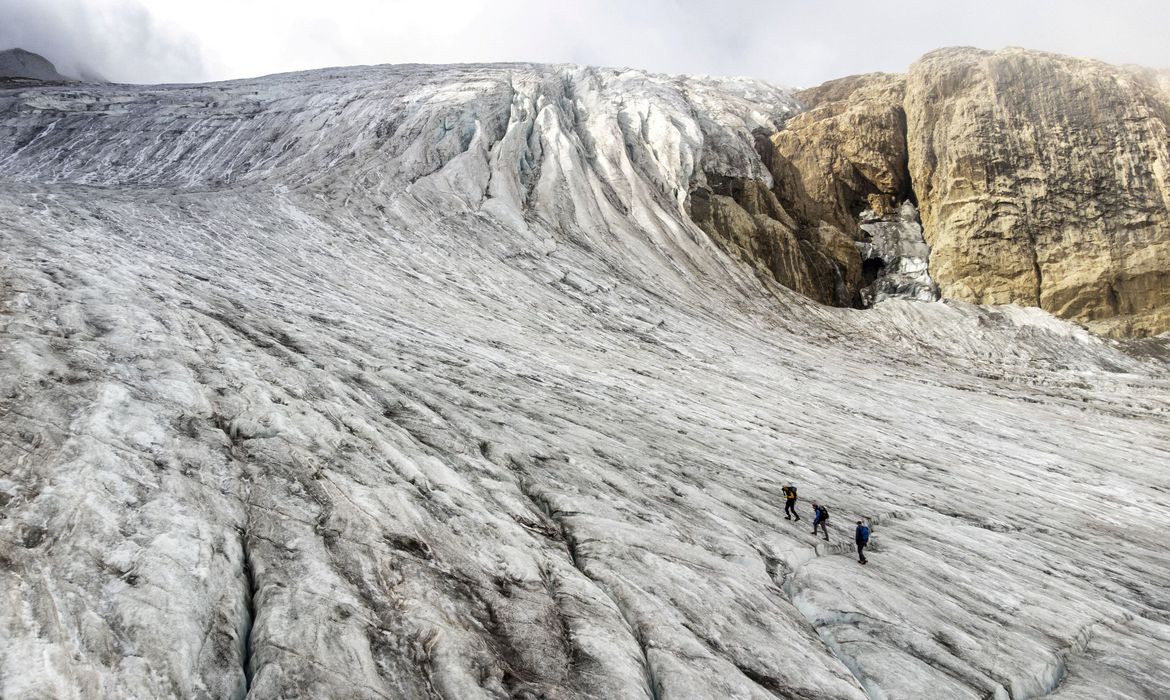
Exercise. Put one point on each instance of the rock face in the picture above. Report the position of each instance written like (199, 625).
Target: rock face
(1045, 181)
(746, 220)
(18, 63)
(1042, 180)
(846, 153)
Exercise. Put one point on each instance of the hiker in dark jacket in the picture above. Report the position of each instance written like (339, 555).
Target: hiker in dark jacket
(862, 540)
(790, 503)
(820, 518)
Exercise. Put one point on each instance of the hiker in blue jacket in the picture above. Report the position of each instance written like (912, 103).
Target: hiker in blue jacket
(862, 540)
(820, 519)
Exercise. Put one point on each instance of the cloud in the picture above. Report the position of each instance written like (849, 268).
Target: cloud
(793, 42)
(119, 40)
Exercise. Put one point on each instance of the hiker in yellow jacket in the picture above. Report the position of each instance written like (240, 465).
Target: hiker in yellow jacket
(790, 502)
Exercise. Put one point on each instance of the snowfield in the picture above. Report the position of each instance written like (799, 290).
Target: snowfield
(418, 382)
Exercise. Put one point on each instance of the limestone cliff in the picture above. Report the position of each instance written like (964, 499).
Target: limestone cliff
(745, 218)
(1042, 180)
(845, 153)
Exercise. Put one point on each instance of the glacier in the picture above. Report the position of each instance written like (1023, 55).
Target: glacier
(418, 382)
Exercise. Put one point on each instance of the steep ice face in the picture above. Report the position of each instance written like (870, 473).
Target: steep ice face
(418, 382)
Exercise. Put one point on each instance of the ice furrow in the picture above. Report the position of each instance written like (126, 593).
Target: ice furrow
(245, 629)
(565, 535)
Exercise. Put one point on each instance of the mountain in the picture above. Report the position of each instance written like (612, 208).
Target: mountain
(18, 63)
(483, 381)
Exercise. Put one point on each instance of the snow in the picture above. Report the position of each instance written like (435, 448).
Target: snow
(417, 382)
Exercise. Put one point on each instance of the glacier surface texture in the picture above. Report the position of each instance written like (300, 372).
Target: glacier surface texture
(418, 382)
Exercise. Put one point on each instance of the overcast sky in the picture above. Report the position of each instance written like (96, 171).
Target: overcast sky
(789, 42)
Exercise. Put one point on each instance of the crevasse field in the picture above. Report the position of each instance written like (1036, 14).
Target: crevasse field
(418, 382)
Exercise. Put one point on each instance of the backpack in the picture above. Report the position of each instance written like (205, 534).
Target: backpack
(824, 513)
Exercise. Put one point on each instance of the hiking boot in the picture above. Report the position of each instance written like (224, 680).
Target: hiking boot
(788, 517)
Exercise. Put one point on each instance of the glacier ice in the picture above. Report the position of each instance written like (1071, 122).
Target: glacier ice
(899, 255)
(417, 382)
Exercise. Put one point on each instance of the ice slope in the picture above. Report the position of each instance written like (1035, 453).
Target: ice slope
(417, 382)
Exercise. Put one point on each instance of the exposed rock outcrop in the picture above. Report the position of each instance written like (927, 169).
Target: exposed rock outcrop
(744, 217)
(18, 63)
(846, 153)
(1043, 181)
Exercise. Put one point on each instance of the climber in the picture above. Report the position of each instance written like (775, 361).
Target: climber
(790, 503)
(821, 518)
(862, 540)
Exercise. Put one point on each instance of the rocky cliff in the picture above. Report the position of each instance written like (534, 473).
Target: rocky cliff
(1045, 181)
(1042, 180)
(745, 218)
(846, 152)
